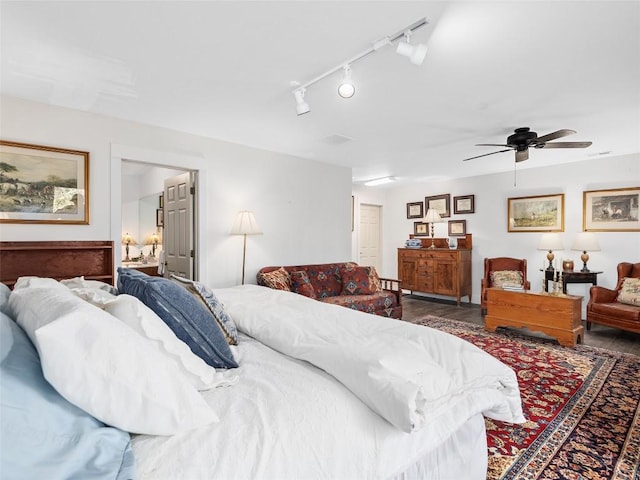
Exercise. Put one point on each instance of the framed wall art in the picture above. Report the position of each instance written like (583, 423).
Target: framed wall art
(159, 217)
(464, 204)
(415, 210)
(420, 229)
(41, 184)
(457, 228)
(611, 210)
(440, 202)
(542, 213)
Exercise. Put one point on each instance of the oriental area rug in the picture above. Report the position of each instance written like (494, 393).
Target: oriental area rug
(582, 407)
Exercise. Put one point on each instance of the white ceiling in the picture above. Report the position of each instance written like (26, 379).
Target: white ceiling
(224, 70)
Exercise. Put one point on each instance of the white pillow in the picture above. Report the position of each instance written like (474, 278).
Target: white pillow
(143, 320)
(95, 296)
(102, 366)
(37, 282)
(80, 282)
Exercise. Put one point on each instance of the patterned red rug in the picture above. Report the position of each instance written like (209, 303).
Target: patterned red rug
(582, 406)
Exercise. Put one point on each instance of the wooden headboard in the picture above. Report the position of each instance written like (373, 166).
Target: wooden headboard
(56, 259)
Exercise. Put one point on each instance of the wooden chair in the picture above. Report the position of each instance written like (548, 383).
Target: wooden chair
(500, 264)
(604, 308)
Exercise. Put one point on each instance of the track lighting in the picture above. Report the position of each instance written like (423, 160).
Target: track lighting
(346, 89)
(302, 107)
(415, 53)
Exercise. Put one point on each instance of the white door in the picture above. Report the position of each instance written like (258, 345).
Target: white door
(178, 235)
(370, 235)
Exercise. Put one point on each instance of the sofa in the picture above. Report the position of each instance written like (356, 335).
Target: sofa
(620, 307)
(346, 284)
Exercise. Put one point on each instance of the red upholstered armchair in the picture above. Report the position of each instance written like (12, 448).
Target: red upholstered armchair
(605, 308)
(500, 264)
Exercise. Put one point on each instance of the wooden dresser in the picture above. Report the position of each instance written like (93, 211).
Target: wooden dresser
(439, 270)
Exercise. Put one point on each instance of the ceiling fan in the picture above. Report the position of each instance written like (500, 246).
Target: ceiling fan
(523, 138)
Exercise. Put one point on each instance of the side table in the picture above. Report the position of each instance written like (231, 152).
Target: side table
(570, 277)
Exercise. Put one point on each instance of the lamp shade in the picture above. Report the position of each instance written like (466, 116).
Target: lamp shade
(245, 224)
(585, 242)
(152, 239)
(128, 240)
(432, 216)
(550, 241)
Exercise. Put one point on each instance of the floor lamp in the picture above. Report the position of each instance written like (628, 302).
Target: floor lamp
(245, 224)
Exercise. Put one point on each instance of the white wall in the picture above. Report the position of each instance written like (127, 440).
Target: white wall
(301, 206)
(489, 222)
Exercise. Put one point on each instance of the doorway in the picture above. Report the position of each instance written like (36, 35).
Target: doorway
(370, 234)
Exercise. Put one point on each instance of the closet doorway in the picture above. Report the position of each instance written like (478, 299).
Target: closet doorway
(370, 224)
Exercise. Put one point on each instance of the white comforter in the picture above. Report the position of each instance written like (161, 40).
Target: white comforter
(410, 375)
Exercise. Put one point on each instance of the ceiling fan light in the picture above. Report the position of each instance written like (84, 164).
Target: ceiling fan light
(346, 89)
(302, 107)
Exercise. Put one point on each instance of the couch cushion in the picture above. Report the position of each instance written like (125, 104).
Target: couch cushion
(278, 279)
(501, 278)
(616, 309)
(325, 278)
(358, 280)
(301, 284)
(630, 292)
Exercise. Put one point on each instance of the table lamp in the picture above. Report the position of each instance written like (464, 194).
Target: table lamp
(585, 242)
(432, 217)
(152, 240)
(128, 240)
(550, 242)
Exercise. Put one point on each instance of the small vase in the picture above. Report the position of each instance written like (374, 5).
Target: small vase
(567, 265)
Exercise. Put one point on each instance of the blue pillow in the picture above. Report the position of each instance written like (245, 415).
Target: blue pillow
(188, 318)
(45, 436)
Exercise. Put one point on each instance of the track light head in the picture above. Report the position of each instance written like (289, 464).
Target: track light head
(302, 107)
(415, 53)
(346, 89)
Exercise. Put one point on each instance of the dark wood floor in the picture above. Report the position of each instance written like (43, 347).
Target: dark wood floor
(599, 336)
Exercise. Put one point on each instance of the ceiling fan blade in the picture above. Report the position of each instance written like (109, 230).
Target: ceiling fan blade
(554, 135)
(522, 155)
(565, 145)
(492, 153)
(492, 145)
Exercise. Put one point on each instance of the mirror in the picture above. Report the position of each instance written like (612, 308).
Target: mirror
(147, 207)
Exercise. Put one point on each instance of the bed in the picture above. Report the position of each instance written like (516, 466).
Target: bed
(319, 391)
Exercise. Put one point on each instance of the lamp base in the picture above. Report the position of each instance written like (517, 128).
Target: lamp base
(585, 258)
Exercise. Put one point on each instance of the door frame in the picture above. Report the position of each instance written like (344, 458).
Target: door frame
(178, 161)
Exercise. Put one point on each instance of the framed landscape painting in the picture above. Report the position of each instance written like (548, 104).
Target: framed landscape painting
(611, 210)
(43, 184)
(542, 213)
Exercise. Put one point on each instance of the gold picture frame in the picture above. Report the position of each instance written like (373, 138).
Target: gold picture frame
(541, 213)
(613, 210)
(46, 185)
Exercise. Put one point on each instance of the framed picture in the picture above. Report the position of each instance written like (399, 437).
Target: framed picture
(420, 229)
(43, 184)
(457, 228)
(159, 217)
(440, 203)
(542, 213)
(611, 210)
(161, 201)
(415, 210)
(464, 204)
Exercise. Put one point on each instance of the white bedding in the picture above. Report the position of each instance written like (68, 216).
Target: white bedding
(287, 419)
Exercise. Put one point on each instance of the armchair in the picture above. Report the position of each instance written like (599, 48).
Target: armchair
(499, 264)
(605, 308)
